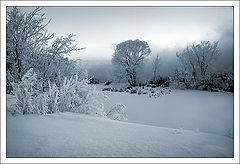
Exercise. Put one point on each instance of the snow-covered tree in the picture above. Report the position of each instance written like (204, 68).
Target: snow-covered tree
(63, 46)
(25, 91)
(26, 35)
(53, 65)
(195, 63)
(28, 47)
(128, 59)
(117, 113)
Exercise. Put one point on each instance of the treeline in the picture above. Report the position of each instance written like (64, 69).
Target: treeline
(194, 69)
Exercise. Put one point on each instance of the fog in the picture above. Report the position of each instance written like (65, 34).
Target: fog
(167, 30)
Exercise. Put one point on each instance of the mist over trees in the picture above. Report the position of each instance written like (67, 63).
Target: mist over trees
(194, 67)
(44, 80)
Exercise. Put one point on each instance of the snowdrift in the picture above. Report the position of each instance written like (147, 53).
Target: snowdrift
(77, 135)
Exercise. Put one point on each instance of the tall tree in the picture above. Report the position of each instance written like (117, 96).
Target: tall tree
(54, 66)
(128, 59)
(28, 47)
(26, 35)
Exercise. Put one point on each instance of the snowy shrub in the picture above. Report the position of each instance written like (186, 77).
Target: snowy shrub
(11, 109)
(30, 100)
(53, 98)
(160, 81)
(25, 91)
(117, 113)
(39, 104)
(76, 95)
(31, 83)
(23, 98)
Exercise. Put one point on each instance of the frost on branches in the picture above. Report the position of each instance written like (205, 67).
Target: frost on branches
(128, 58)
(26, 92)
(76, 95)
(117, 113)
(195, 62)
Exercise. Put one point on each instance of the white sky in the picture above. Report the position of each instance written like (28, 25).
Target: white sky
(100, 28)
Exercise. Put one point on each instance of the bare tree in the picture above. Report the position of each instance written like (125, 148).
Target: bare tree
(195, 63)
(53, 62)
(156, 65)
(128, 59)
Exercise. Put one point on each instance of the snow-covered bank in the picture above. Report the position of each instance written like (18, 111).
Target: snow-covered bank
(77, 135)
(210, 112)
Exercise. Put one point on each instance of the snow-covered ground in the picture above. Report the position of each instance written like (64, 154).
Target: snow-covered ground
(77, 135)
(180, 124)
(210, 112)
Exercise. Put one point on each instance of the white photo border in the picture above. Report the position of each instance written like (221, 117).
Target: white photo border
(235, 4)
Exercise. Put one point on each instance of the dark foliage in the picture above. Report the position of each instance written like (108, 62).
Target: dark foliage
(93, 81)
(108, 83)
(160, 82)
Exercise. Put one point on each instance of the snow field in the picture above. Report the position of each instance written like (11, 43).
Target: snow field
(183, 123)
(77, 135)
(210, 112)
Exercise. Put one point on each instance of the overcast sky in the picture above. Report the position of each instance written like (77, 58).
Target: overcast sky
(99, 29)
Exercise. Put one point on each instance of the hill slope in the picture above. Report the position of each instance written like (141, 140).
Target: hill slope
(76, 135)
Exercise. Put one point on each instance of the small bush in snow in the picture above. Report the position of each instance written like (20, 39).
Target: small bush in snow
(39, 104)
(117, 113)
(53, 97)
(26, 91)
(133, 91)
(76, 95)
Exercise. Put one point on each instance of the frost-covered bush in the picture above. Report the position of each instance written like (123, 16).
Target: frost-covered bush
(39, 104)
(26, 91)
(223, 81)
(160, 81)
(76, 95)
(117, 113)
(53, 98)
(29, 98)
(23, 98)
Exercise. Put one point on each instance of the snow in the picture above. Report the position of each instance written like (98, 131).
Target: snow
(210, 112)
(184, 123)
(77, 135)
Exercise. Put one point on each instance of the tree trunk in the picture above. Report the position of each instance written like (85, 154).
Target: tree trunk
(18, 64)
(43, 83)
